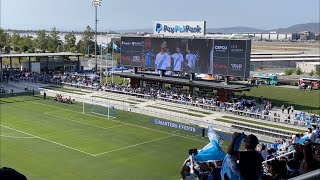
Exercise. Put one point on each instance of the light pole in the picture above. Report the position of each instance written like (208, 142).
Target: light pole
(96, 4)
(89, 49)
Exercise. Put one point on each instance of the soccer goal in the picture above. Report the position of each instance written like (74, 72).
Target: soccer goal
(99, 107)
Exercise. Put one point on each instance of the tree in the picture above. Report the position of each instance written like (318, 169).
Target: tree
(87, 41)
(70, 42)
(311, 73)
(318, 72)
(288, 72)
(26, 44)
(298, 71)
(41, 42)
(53, 41)
(3, 38)
(15, 41)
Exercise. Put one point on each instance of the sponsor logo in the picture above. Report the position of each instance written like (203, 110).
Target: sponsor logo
(125, 58)
(221, 48)
(177, 28)
(137, 43)
(235, 48)
(125, 43)
(175, 125)
(136, 58)
(236, 67)
(220, 66)
(158, 27)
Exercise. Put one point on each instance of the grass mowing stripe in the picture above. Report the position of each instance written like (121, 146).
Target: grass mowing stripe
(102, 117)
(191, 114)
(107, 152)
(84, 123)
(48, 140)
(264, 124)
(203, 112)
(115, 99)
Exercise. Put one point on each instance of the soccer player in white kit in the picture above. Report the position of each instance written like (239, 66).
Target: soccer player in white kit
(191, 58)
(163, 60)
(177, 60)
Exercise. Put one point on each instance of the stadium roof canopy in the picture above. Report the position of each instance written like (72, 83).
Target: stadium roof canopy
(38, 55)
(186, 82)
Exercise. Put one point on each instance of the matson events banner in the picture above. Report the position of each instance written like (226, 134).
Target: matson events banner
(179, 28)
(176, 125)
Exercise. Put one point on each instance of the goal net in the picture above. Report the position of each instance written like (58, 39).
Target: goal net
(99, 107)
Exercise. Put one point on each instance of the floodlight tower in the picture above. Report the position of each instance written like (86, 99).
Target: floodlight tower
(96, 4)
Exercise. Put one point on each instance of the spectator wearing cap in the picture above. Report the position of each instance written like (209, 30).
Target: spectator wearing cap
(250, 161)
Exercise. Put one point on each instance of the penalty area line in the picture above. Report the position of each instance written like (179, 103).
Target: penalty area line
(44, 139)
(127, 147)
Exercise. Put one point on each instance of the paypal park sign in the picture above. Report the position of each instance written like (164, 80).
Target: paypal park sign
(179, 28)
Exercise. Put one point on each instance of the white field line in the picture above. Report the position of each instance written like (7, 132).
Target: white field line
(107, 152)
(48, 140)
(83, 122)
(127, 123)
(17, 137)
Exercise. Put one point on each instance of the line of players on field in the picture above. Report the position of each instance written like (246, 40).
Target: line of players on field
(177, 62)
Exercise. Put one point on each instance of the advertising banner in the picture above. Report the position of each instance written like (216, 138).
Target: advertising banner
(125, 51)
(180, 28)
(176, 125)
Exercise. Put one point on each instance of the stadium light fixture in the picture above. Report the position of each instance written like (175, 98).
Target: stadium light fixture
(96, 4)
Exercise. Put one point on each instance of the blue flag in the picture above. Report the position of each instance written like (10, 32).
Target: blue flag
(212, 151)
(214, 136)
(303, 139)
(228, 160)
(115, 47)
(104, 46)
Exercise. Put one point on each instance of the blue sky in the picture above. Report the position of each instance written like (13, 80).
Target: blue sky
(139, 14)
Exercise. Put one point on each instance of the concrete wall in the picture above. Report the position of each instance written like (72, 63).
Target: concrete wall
(307, 67)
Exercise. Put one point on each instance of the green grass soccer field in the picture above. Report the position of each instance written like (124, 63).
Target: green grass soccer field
(49, 140)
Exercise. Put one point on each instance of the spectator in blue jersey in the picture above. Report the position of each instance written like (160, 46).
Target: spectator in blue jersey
(148, 58)
(163, 60)
(250, 161)
(177, 60)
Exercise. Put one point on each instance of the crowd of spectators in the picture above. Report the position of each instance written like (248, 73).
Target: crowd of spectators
(243, 105)
(283, 159)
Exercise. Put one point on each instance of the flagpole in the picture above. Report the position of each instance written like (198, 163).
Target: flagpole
(101, 64)
(107, 67)
(112, 63)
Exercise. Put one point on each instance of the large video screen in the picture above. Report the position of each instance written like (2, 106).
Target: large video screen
(171, 54)
(230, 57)
(202, 56)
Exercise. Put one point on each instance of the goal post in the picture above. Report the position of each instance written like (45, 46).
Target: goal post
(99, 107)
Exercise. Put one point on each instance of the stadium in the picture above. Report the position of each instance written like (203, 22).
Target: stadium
(156, 119)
